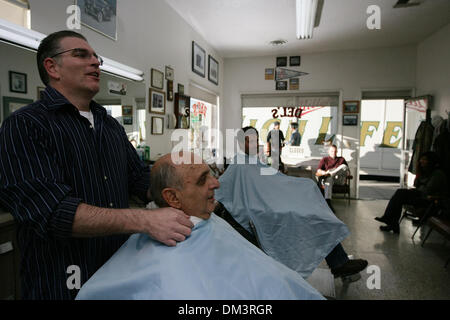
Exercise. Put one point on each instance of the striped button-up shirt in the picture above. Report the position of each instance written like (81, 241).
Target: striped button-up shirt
(51, 159)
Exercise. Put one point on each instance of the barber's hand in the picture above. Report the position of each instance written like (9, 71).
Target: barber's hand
(167, 225)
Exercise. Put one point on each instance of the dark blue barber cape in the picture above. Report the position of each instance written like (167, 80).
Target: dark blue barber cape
(51, 159)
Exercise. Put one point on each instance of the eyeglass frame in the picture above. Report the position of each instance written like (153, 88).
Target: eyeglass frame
(99, 59)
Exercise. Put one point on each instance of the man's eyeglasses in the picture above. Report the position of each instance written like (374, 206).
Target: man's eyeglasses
(82, 54)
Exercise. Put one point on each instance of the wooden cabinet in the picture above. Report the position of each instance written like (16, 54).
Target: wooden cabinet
(9, 259)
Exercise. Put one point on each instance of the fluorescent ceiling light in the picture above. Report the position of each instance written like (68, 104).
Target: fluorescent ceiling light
(30, 39)
(306, 15)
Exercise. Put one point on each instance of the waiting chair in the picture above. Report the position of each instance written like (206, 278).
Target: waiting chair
(440, 223)
(343, 188)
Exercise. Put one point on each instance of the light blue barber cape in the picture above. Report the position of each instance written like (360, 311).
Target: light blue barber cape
(293, 222)
(214, 262)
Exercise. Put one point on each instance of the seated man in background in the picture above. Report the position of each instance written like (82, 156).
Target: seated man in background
(331, 170)
(292, 221)
(214, 262)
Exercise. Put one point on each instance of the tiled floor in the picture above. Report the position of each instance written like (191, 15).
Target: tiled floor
(407, 270)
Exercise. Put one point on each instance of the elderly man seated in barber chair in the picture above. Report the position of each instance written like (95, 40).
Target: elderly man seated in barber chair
(214, 262)
(288, 216)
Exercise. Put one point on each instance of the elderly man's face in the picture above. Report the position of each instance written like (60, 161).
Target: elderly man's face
(197, 195)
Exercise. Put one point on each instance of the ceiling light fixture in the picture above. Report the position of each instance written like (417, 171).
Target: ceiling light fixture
(29, 39)
(306, 15)
(278, 43)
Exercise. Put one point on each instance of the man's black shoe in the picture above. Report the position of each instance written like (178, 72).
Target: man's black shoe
(350, 268)
(394, 228)
(381, 219)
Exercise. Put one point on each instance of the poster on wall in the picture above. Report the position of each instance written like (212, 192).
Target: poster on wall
(99, 15)
(117, 88)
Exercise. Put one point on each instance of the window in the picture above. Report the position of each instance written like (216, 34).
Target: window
(316, 125)
(381, 136)
(16, 11)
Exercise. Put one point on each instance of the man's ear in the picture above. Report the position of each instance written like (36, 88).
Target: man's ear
(172, 197)
(52, 68)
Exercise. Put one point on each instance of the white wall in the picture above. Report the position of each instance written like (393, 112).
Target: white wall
(433, 69)
(349, 72)
(150, 34)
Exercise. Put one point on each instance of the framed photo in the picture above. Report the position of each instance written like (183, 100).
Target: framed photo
(127, 110)
(17, 82)
(294, 61)
(157, 79)
(198, 59)
(11, 104)
(351, 107)
(157, 100)
(350, 120)
(281, 61)
(180, 89)
(269, 74)
(127, 120)
(158, 125)
(281, 85)
(213, 70)
(100, 16)
(39, 91)
(182, 111)
(294, 84)
(170, 74)
(169, 90)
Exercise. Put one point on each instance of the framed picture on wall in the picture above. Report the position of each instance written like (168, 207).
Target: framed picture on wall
(294, 83)
(281, 85)
(198, 59)
(281, 61)
(213, 70)
(180, 88)
(157, 79)
(169, 90)
(100, 16)
(127, 120)
(11, 104)
(127, 110)
(351, 106)
(157, 125)
(17, 82)
(294, 61)
(39, 91)
(350, 120)
(269, 74)
(157, 100)
(182, 111)
(170, 74)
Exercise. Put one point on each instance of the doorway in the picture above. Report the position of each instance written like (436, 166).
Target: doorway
(381, 141)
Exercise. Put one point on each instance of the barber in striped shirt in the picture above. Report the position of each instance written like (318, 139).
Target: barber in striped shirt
(66, 172)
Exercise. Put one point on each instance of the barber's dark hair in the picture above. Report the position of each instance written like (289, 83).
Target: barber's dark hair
(294, 125)
(163, 176)
(276, 123)
(50, 46)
